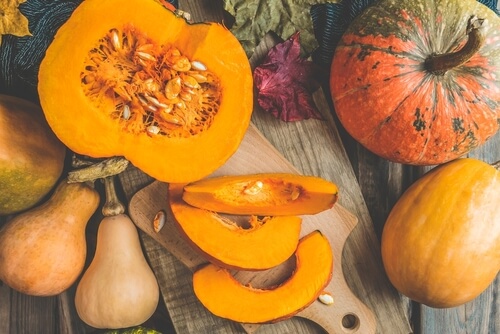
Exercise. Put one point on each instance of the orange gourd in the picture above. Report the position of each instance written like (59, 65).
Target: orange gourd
(417, 82)
(173, 98)
(441, 241)
(273, 194)
(43, 250)
(264, 243)
(228, 298)
(31, 156)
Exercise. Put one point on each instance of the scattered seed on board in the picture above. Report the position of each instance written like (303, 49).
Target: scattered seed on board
(326, 298)
(159, 221)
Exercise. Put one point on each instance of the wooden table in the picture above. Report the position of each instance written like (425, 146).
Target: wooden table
(369, 187)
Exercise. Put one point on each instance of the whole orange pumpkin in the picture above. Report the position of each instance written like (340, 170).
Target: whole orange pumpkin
(418, 82)
(441, 241)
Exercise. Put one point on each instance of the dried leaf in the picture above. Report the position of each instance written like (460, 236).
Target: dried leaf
(254, 18)
(12, 21)
(285, 82)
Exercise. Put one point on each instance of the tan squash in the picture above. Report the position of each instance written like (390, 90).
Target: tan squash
(173, 98)
(264, 243)
(267, 194)
(118, 289)
(43, 250)
(441, 241)
(31, 156)
(225, 297)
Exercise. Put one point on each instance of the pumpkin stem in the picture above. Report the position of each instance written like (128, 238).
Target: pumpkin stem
(113, 206)
(496, 165)
(93, 171)
(440, 63)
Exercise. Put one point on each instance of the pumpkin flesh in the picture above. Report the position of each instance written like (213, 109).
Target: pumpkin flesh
(393, 105)
(224, 296)
(272, 194)
(441, 241)
(265, 243)
(147, 86)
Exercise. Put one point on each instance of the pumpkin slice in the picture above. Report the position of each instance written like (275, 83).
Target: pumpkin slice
(269, 194)
(133, 79)
(266, 243)
(226, 297)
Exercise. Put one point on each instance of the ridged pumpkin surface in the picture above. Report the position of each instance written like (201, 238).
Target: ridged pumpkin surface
(441, 241)
(134, 79)
(388, 100)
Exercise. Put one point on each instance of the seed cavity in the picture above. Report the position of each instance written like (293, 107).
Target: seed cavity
(154, 88)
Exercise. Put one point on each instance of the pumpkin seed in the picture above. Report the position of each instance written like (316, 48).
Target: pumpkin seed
(115, 39)
(153, 129)
(198, 65)
(159, 221)
(326, 298)
(253, 188)
(126, 112)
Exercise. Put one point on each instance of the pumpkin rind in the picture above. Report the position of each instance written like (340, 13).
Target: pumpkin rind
(441, 241)
(31, 156)
(387, 100)
(266, 194)
(268, 242)
(90, 126)
(225, 297)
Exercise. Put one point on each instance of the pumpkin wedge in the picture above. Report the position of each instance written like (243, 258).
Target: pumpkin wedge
(265, 243)
(266, 194)
(134, 79)
(226, 297)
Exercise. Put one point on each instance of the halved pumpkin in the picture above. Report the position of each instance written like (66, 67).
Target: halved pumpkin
(272, 194)
(226, 297)
(131, 78)
(265, 243)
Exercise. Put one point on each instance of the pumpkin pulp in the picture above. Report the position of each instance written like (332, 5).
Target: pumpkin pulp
(154, 88)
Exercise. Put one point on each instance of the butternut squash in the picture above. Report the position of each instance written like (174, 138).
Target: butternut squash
(118, 289)
(43, 250)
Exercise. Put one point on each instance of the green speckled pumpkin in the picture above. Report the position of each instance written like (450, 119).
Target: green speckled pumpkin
(31, 156)
(418, 82)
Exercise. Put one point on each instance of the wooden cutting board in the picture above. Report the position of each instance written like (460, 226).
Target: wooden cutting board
(257, 155)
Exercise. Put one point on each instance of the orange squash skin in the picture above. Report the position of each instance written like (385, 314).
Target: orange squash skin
(43, 250)
(441, 241)
(31, 156)
(390, 103)
(86, 126)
